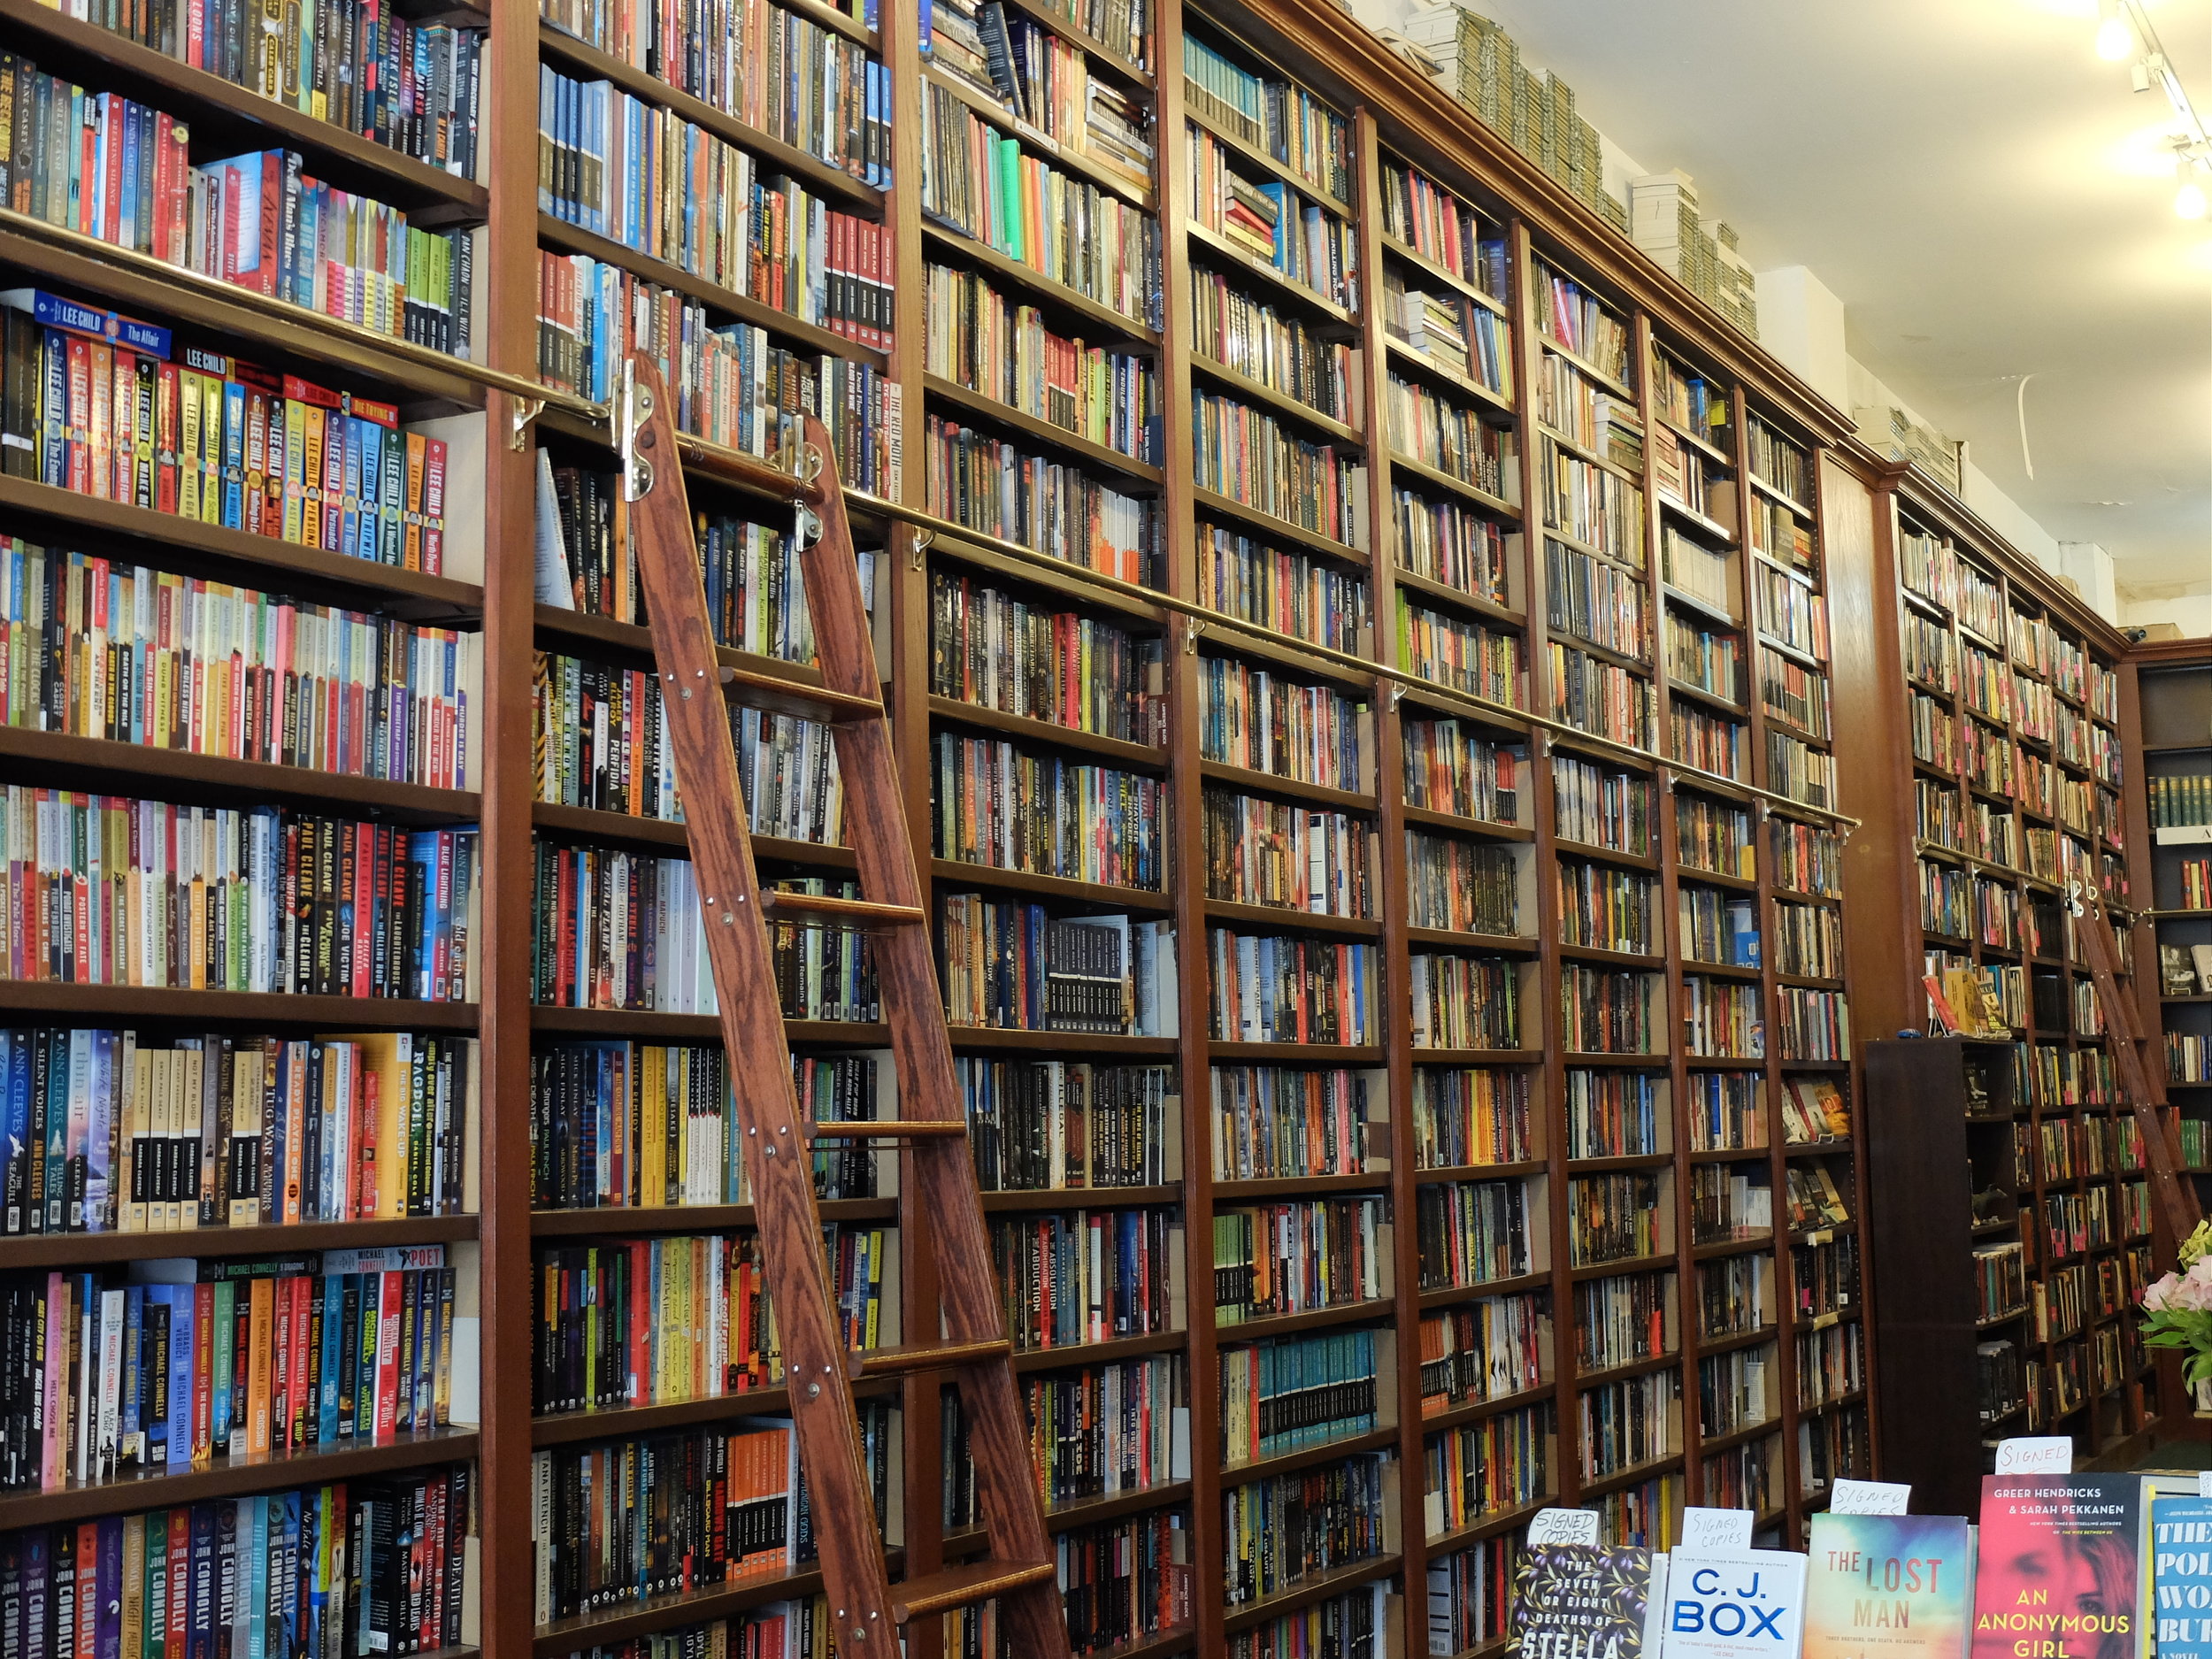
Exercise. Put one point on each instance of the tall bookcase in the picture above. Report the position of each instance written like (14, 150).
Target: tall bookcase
(2172, 682)
(1999, 760)
(1539, 571)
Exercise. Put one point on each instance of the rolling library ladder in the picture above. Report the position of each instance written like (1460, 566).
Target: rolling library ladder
(2142, 1074)
(1019, 1570)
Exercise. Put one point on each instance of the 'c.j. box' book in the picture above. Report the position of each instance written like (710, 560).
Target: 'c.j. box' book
(1888, 1587)
(2055, 1571)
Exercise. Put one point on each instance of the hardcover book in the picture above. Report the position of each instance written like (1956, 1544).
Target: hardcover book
(1582, 1602)
(2178, 1563)
(1888, 1587)
(2056, 1571)
(1741, 1604)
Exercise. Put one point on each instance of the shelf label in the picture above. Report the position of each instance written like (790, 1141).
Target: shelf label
(1564, 1526)
(2036, 1455)
(1870, 1497)
(1705, 1530)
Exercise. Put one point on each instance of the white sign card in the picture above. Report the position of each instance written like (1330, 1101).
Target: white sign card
(1711, 1531)
(2036, 1455)
(1564, 1526)
(1870, 1497)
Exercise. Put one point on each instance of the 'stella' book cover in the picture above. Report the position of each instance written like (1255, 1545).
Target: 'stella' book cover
(1581, 1602)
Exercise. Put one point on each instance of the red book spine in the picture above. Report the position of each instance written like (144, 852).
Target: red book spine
(391, 1289)
(271, 208)
(434, 507)
(280, 1371)
(179, 1630)
(302, 1402)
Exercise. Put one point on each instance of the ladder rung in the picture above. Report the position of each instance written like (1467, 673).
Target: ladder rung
(926, 1356)
(890, 1129)
(808, 702)
(964, 1586)
(865, 914)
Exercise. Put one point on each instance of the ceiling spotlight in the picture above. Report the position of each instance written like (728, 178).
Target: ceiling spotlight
(2115, 39)
(2189, 199)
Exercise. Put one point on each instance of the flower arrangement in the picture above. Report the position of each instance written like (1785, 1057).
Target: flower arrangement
(2177, 1309)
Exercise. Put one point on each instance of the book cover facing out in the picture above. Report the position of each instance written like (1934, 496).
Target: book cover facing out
(1888, 1587)
(2181, 1575)
(1581, 1602)
(1745, 1604)
(2055, 1571)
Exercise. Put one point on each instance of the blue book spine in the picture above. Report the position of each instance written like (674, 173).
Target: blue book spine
(333, 1292)
(131, 1423)
(180, 1313)
(369, 543)
(200, 1631)
(153, 1386)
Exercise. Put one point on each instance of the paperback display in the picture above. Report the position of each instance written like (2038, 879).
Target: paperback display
(100, 649)
(102, 890)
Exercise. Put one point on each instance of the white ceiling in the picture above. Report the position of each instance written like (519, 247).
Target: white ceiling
(1968, 176)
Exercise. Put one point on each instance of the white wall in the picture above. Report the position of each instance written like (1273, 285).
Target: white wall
(2191, 613)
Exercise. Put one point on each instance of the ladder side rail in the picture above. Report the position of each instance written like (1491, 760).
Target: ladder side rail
(773, 1134)
(944, 1171)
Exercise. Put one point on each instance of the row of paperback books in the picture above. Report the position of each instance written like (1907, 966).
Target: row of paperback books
(996, 650)
(171, 1364)
(107, 406)
(660, 1321)
(130, 655)
(122, 1130)
(357, 1567)
(104, 890)
(417, 87)
(255, 220)
(628, 1124)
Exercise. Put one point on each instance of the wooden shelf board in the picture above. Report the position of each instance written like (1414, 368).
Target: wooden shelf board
(234, 1478)
(97, 1004)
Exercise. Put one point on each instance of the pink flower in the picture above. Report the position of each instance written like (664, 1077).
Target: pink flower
(2155, 1295)
(2188, 1294)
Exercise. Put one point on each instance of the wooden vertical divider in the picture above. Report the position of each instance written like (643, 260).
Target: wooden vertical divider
(1548, 1086)
(1666, 894)
(507, 1542)
(1849, 540)
(905, 584)
(1391, 898)
(1186, 864)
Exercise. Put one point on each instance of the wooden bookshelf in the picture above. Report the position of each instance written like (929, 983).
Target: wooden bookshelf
(2034, 758)
(1395, 120)
(2167, 714)
(1941, 1117)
